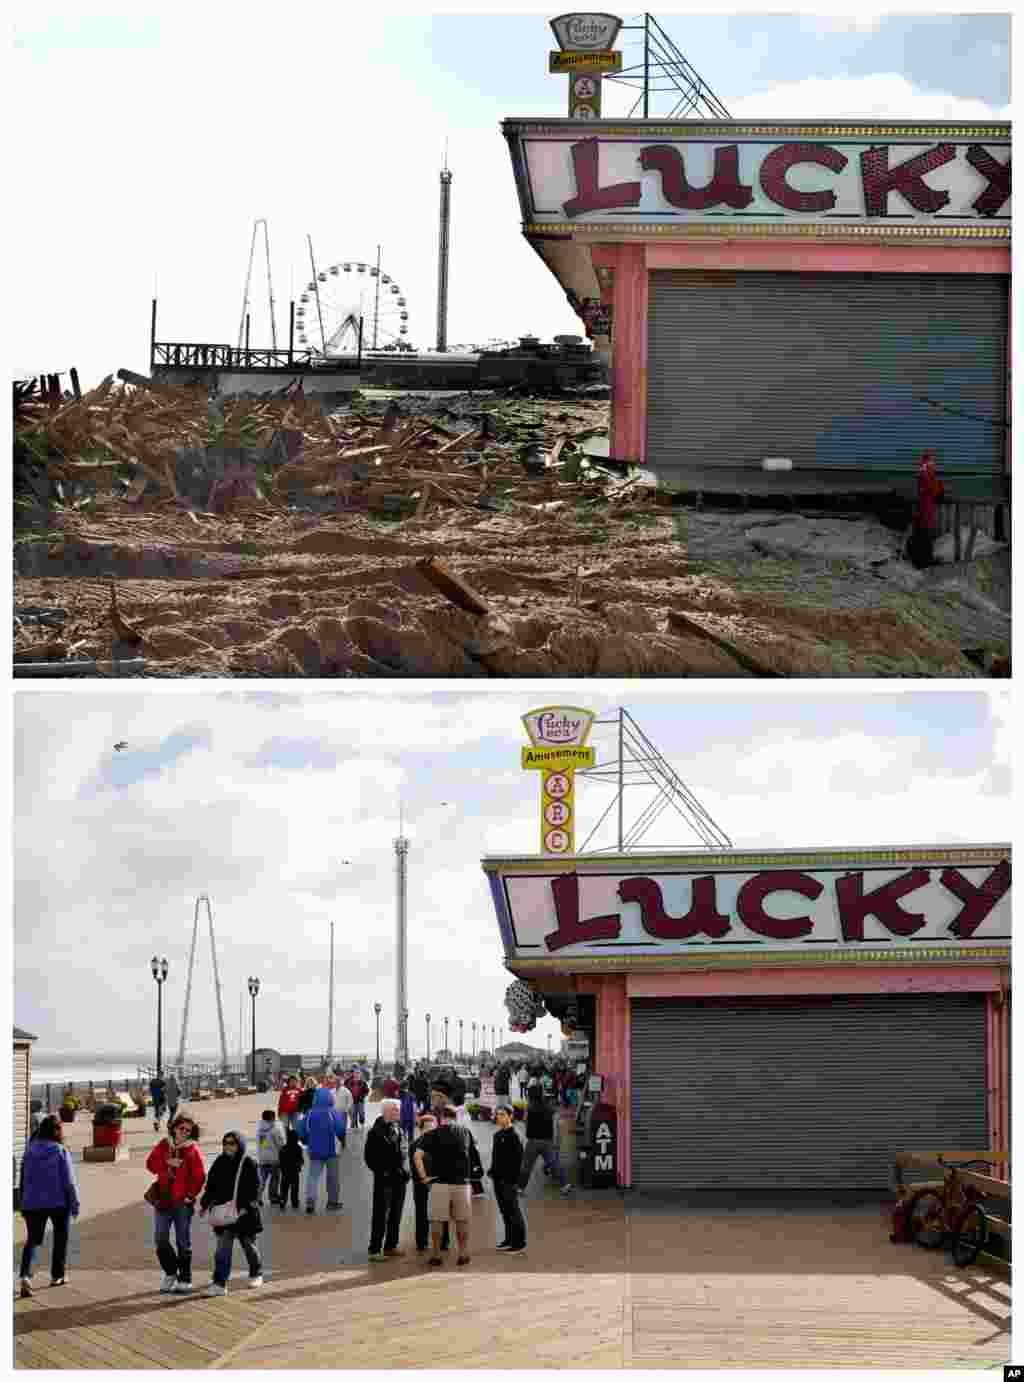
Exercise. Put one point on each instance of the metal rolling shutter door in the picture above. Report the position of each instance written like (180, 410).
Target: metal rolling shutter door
(825, 369)
(793, 1093)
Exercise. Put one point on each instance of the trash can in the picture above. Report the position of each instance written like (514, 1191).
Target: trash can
(106, 1126)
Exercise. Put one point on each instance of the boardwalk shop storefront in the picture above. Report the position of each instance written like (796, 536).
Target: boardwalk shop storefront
(834, 296)
(784, 1019)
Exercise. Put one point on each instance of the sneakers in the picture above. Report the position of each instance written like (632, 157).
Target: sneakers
(310, 1209)
(167, 1284)
(255, 1281)
(503, 1247)
(394, 1252)
(566, 1189)
(517, 1247)
(375, 1257)
(334, 1205)
(462, 1261)
(26, 1288)
(59, 1281)
(215, 1290)
(182, 1288)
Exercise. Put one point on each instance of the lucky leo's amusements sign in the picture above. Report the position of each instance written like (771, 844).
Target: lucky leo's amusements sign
(558, 746)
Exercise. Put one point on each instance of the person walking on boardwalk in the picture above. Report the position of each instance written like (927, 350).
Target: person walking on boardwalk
(343, 1102)
(231, 1198)
(291, 1162)
(269, 1145)
(172, 1093)
(540, 1141)
(359, 1089)
(407, 1099)
(930, 489)
(306, 1096)
(426, 1122)
(445, 1160)
(48, 1191)
(288, 1103)
(384, 1154)
(158, 1093)
(178, 1165)
(321, 1129)
(506, 1163)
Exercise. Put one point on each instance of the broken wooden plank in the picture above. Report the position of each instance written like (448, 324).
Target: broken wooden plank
(442, 578)
(679, 623)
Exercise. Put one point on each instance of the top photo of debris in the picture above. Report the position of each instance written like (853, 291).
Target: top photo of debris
(672, 375)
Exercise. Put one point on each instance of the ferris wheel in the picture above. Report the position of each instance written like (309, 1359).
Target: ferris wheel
(348, 292)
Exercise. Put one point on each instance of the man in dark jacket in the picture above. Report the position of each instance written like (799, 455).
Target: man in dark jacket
(506, 1163)
(384, 1154)
(540, 1141)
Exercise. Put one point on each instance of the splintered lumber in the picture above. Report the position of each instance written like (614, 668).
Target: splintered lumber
(679, 623)
(442, 578)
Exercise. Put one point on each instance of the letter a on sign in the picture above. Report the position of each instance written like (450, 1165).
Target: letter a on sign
(603, 1133)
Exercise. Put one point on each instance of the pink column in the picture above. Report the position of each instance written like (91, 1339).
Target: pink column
(612, 1057)
(629, 348)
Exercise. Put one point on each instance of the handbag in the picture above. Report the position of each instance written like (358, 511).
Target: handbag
(155, 1198)
(224, 1215)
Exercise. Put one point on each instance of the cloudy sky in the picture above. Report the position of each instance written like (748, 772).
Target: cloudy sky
(258, 799)
(169, 131)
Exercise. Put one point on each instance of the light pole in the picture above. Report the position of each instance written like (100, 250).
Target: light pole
(405, 1037)
(376, 1009)
(549, 1043)
(254, 988)
(446, 1036)
(461, 1042)
(159, 971)
(474, 1041)
(428, 1036)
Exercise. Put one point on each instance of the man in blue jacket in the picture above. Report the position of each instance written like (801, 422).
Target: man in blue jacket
(319, 1129)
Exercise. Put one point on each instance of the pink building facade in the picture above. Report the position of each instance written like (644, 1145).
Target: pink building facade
(823, 1010)
(834, 296)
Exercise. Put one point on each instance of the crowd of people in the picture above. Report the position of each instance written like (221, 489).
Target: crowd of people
(421, 1137)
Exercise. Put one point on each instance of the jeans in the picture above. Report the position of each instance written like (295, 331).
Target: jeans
(536, 1147)
(314, 1171)
(272, 1173)
(226, 1238)
(178, 1263)
(506, 1192)
(35, 1222)
(386, 1215)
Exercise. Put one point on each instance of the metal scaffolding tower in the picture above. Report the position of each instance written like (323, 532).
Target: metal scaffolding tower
(638, 763)
(442, 255)
(216, 984)
(262, 221)
(662, 70)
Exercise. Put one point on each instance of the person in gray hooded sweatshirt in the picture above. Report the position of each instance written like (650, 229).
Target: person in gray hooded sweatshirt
(225, 1174)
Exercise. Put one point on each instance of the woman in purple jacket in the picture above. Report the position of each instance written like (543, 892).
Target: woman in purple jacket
(48, 1191)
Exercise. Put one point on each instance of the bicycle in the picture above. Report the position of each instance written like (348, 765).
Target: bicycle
(952, 1212)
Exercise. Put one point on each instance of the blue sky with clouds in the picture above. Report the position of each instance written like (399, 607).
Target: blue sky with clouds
(176, 128)
(259, 798)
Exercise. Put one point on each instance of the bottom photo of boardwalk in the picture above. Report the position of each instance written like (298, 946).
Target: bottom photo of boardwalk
(605, 1281)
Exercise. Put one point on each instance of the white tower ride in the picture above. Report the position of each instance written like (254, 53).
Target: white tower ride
(442, 256)
(401, 917)
(216, 984)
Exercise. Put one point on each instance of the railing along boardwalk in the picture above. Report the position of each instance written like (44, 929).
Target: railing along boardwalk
(996, 1187)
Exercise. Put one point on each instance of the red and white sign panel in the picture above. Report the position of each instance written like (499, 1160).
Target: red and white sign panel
(625, 910)
(945, 180)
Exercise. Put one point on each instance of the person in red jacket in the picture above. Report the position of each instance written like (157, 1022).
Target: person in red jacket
(288, 1103)
(359, 1089)
(178, 1165)
(930, 490)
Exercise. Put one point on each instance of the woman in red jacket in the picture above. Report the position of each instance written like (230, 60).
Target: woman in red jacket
(288, 1103)
(178, 1165)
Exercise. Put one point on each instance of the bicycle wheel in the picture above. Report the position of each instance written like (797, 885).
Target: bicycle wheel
(970, 1235)
(926, 1215)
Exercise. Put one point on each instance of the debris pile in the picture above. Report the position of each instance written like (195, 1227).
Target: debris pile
(160, 532)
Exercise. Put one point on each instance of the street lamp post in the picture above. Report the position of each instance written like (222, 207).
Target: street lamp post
(549, 1043)
(446, 1036)
(405, 1037)
(461, 1042)
(159, 971)
(254, 988)
(377, 1010)
(428, 1036)
(474, 1041)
